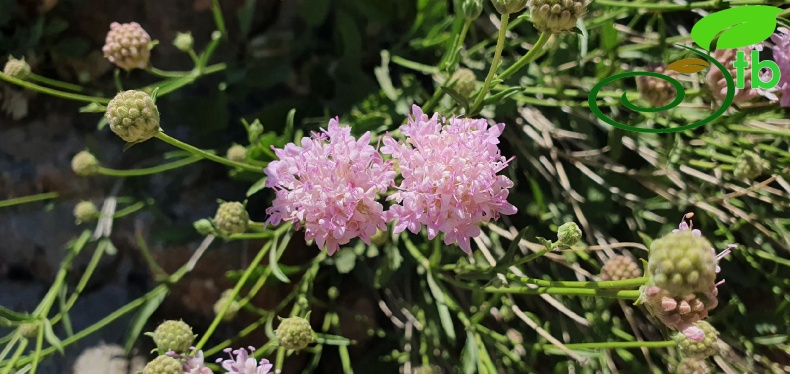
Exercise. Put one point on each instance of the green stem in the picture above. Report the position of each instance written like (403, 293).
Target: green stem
(634, 282)
(199, 152)
(529, 57)
(53, 92)
(672, 7)
(500, 44)
(753, 130)
(37, 354)
(12, 362)
(151, 170)
(619, 294)
(54, 83)
(218, 19)
(602, 345)
(129, 210)
(28, 199)
(166, 74)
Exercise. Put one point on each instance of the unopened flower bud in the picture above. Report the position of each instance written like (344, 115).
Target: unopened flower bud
(232, 218)
(569, 234)
(692, 366)
(204, 227)
(173, 336)
(704, 348)
(17, 68)
(254, 131)
(85, 211)
(133, 116)
(465, 82)
(682, 263)
(748, 165)
(332, 293)
(556, 16)
(469, 9)
(509, 6)
(619, 268)
(237, 153)
(29, 329)
(294, 333)
(233, 309)
(183, 41)
(84, 164)
(163, 365)
(127, 46)
(656, 91)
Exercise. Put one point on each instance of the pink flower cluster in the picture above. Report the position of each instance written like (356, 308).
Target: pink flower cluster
(450, 184)
(240, 362)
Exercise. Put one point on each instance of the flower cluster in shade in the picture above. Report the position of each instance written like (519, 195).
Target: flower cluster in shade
(330, 184)
(240, 362)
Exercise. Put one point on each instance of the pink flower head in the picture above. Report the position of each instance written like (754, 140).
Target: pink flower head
(781, 52)
(192, 364)
(450, 182)
(242, 363)
(329, 185)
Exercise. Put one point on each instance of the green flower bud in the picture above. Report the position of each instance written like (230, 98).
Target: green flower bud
(469, 9)
(133, 116)
(569, 234)
(233, 309)
(84, 164)
(619, 268)
(17, 68)
(692, 366)
(183, 41)
(173, 336)
(332, 293)
(294, 333)
(204, 227)
(127, 46)
(85, 211)
(254, 131)
(682, 263)
(556, 16)
(163, 365)
(748, 165)
(465, 82)
(29, 329)
(232, 218)
(703, 349)
(237, 153)
(509, 6)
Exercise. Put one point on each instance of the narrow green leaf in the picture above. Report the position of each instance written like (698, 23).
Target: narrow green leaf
(444, 311)
(11, 316)
(275, 268)
(512, 248)
(51, 338)
(257, 186)
(138, 323)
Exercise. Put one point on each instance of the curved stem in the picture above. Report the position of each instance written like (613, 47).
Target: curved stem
(151, 170)
(500, 44)
(527, 58)
(54, 83)
(199, 152)
(601, 345)
(566, 291)
(634, 282)
(28, 199)
(166, 74)
(53, 92)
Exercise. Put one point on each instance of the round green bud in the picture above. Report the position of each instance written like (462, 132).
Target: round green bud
(84, 164)
(332, 293)
(682, 263)
(254, 131)
(133, 116)
(204, 227)
(232, 218)
(702, 349)
(569, 234)
(748, 165)
(237, 153)
(692, 366)
(233, 309)
(556, 16)
(29, 329)
(183, 41)
(173, 336)
(163, 365)
(85, 211)
(19, 69)
(294, 333)
(465, 82)
(469, 9)
(509, 6)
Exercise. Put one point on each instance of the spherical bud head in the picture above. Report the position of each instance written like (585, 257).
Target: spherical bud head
(469, 9)
(692, 366)
(237, 153)
(204, 227)
(183, 41)
(254, 131)
(619, 268)
(705, 348)
(748, 165)
(18, 69)
(656, 91)
(232, 218)
(127, 46)
(509, 6)
(224, 300)
(29, 329)
(682, 263)
(556, 16)
(294, 333)
(84, 164)
(173, 336)
(163, 365)
(569, 234)
(133, 116)
(332, 293)
(85, 211)
(465, 82)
